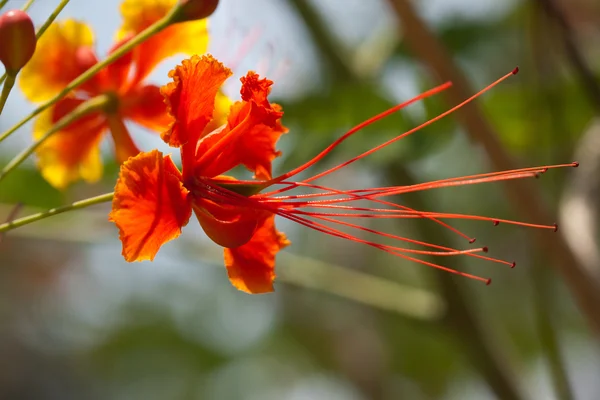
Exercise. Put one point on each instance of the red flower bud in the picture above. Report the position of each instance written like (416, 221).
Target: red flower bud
(191, 10)
(17, 38)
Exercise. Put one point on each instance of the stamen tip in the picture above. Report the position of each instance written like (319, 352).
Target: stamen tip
(514, 264)
(515, 71)
(484, 249)
(575, 164)
(496, 223)
(488, 281)
(471, 241)
(555, 227)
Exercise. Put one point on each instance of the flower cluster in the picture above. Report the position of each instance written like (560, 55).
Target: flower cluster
(82, 98)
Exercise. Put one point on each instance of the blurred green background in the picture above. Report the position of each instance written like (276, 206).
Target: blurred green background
(346, 321)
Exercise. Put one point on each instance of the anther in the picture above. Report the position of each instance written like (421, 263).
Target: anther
(484, 249)
(488, 282)
(555, 227)
(472, 240)
(515, 71)
(496, 223)
(514, 264)
(575, 164)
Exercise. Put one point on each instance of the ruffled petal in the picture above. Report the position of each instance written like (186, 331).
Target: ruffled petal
(54, 63)
(190, 98)
(252, 131)
(146, 106)
(150, 206)
(182, 38)
(72, 153)
(251, 267)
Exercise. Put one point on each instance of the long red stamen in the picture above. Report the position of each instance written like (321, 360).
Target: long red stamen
(357, 128)
(449, 250)
(359, 197)
(334, 232)
(370, 121)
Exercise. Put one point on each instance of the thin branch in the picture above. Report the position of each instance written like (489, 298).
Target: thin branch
(589, 82)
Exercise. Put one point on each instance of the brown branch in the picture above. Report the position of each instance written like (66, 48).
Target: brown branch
(588, 81)
(526, 201)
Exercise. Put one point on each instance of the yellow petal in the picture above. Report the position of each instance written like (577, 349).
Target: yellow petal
(73, 153)
(183, 38)
(53, 64)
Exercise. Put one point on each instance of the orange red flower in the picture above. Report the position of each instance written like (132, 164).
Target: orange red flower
(153, 199)
(65, 51)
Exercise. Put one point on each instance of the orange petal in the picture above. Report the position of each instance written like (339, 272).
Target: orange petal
(251, 267)
(227, 226)
(150, 205)
(146, 106)
(190, 97)
(53, 64)
(72, 153)
(187, 37)
(254, 148)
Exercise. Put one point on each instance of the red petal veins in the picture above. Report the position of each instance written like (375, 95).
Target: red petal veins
(150, 205)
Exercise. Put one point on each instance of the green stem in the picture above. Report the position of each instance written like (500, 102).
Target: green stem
(51, 18)
(43, 28)
(87, 75)
(95, 104)
(10, 82)
(546, 329)
(7, 226)
(27, 5)
(3, 3)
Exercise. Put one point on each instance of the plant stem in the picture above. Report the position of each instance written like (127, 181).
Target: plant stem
(87, 75)
(3, 3)
(528, 202)
(94, 104)
(7, 226)
(544, 306)
(8, 84)
(589, 82)
(51, 18)
(27, 5)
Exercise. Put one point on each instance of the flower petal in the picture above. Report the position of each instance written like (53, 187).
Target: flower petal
(255, 146)
(190, 97)
(53, 64)
(227, 226)
(146, 106)
(150, 205)
(251, 267)
(187, 37)
(72, 153)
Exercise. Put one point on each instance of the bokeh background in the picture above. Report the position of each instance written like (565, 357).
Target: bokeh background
(346, 321)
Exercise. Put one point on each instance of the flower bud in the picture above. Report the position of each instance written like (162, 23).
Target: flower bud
(191, 10)
(17, 36)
